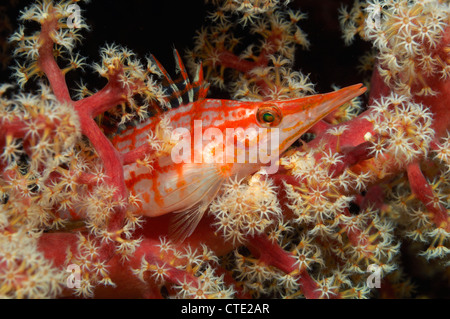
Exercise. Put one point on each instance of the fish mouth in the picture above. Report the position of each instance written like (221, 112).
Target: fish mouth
(322, 104)
(299, 115)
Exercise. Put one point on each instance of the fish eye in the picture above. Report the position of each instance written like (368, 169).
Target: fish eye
(269, 116)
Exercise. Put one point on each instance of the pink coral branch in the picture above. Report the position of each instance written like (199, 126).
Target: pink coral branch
(111, 95)
(424, 192)
(48, 64)
(273, 255)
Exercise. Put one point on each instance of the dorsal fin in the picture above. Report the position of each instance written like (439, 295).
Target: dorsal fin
(169, 85)
(182, 91)
(203, 86)
(181, 69)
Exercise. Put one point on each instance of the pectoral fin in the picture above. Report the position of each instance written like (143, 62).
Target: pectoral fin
(198, 193)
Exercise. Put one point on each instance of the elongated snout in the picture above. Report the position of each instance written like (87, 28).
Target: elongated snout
(301, 114)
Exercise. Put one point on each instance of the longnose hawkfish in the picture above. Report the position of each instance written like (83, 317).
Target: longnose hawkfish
(186, 185)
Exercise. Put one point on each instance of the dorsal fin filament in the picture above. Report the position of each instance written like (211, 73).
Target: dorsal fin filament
(182, 91)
